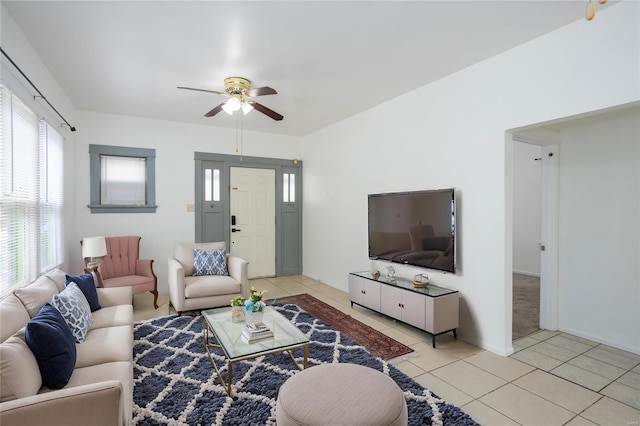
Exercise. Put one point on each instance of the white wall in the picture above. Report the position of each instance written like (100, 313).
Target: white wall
(526, 208)
(452, 134)
(599, 253)
(175, 145)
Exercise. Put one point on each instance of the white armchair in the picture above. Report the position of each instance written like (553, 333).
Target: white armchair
(188, 292)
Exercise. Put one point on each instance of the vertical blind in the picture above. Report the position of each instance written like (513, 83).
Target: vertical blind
(31, 194)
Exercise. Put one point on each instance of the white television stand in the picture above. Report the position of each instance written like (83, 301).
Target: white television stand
(432, 309)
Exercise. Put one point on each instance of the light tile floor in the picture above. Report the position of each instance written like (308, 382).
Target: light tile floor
(552, 379)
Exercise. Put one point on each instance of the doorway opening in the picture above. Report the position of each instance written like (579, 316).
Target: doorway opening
(533, 182)
(527, 237)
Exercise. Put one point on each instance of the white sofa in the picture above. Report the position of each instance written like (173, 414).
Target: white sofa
(188, 292)
(100, 389)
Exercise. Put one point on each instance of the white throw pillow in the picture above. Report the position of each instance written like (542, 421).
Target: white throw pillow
(19, 373)
(36, 294)
(75, 310)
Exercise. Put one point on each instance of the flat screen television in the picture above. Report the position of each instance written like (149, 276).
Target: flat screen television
(415, 228)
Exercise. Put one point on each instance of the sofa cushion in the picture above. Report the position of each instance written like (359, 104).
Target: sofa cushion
(119, 370)
(14, 316)
(114, 296)
(184, 253)
(75, 310)
(36, 294)
(110, 316)
(209, 262)
(107, 344)
(53, 346)
(58, 277)
(205, 286)
(19, 375)
(88, 287)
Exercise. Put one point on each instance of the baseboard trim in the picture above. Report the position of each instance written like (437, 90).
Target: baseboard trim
(530, 274)
(600, 340)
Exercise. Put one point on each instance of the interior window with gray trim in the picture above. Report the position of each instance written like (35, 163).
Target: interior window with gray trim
(122, 179)
(289, 187)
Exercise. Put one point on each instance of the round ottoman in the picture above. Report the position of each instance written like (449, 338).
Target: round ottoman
(332, 394)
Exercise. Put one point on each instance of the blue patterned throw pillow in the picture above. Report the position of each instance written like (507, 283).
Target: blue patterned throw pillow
(75, 310)
(210, 262)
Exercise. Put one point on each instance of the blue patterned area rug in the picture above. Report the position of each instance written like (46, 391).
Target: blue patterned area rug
(175, 384)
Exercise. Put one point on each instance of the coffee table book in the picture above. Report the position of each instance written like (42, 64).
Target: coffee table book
(256, 331)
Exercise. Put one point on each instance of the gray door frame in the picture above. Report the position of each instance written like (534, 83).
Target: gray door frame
(288, 260)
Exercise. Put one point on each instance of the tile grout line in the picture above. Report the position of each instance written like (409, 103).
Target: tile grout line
(598, 345)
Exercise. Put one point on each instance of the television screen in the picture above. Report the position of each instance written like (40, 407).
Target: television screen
(415, 228)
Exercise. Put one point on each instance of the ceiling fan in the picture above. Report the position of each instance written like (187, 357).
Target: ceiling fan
(239, 92)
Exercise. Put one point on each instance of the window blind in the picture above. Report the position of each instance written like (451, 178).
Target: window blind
(31, 194)
(51, 201)
(122, 181)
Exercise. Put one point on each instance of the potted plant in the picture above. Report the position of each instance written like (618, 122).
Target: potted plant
(254, 306)
(237, 309)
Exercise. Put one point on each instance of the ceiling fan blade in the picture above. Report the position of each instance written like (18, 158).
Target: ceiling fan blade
(263, 109)
(201, 90)
(261, 91)
(214, 111)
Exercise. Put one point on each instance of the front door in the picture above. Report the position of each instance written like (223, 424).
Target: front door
(253, 219)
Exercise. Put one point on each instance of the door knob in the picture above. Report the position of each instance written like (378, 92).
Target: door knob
(235, 230)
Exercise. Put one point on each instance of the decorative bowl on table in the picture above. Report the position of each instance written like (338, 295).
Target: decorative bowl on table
(421, 280)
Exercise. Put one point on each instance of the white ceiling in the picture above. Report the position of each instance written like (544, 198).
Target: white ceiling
(328, 60)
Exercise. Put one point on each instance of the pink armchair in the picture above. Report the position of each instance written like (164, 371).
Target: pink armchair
(122, 267)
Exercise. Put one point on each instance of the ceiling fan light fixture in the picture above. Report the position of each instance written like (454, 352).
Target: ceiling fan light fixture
(227, 108)
(239, 95)
(232, 105)
(246, 107)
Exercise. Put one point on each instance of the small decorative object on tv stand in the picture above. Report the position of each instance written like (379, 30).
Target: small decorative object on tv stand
(421, 280)
(391, 272)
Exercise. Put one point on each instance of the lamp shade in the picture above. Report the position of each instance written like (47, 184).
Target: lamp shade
(94, 247)
(246, 108)
(232, 105)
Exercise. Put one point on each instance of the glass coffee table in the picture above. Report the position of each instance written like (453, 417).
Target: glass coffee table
(228, 338)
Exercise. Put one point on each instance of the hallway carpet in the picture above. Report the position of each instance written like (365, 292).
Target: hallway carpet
(526, 305)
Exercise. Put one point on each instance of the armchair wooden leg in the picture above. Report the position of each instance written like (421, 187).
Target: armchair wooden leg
(155, 298)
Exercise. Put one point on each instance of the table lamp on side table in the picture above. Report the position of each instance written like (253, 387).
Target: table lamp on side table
(93, 248)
